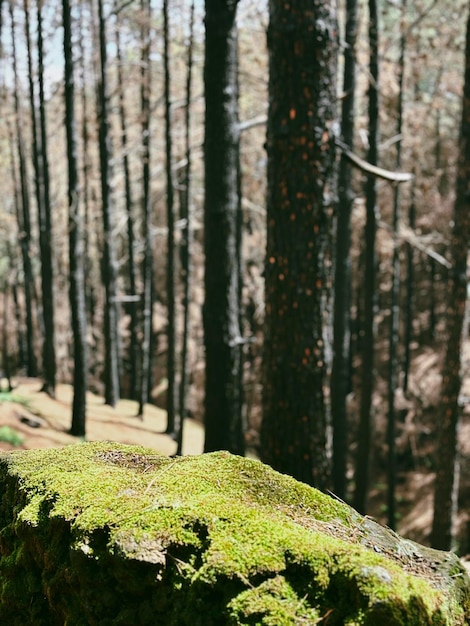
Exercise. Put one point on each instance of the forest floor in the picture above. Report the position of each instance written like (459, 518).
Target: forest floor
(43, 422)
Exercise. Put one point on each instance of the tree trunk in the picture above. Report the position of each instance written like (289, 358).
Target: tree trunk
(394, 328)
(223, 421)
(298, 273)
(109, 261)
(172, 427)
(133, 324)
(410, 284)
(92, 274)
(25, 221)
(45, 229)
(186, 239)
(147, 299)
(75, 227)
(340, 375)
(22, 351)
(41, 170)
(362, 474)
(446, 485)
(5, 332)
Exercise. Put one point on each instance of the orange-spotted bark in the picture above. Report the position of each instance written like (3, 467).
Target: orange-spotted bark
(302, 40)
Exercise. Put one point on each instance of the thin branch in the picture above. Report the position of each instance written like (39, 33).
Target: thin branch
(406, 234)
(259, 120)
(396, 177)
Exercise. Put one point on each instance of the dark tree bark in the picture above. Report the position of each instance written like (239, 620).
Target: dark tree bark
(41, 169)
(91, 235)
(5, 331)
(394, 328)
(302, 41)
(109, 260)
(22, 350)
(447, 458)
(75, 226)
(25, 221)
(223, 421)
(362, 474)
(410, 295)
(45, 228)
(340, 375)
(147, 300)
(172, 427)
(133, 325)
(187, 235)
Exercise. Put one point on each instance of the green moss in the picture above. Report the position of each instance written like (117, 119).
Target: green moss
(102, 533)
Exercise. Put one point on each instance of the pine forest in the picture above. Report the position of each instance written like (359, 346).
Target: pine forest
(254, 215)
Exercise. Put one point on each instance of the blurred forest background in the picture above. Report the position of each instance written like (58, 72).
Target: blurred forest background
(103, 249)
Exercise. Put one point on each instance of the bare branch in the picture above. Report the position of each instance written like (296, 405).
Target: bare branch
(395, 177)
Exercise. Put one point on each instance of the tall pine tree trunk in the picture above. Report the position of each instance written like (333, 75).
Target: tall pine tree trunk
(22, 351)
(447, 457)
(45, 228)
(147, 300)
(302, 40)
(25, 220)
(340, 375)
(75, 224)
(394, 329)
(89, 209)
(363, 459)
(186, 240)
(109, 260)
(223, 421)
(133, 324)
(172, 427)
(41, 170)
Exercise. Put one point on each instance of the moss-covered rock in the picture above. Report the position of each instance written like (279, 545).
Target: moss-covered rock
(106, 534)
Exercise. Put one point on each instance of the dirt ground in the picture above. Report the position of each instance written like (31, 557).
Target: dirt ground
(44, 422)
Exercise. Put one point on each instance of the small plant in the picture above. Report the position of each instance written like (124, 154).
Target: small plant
(11, 436)
(9, 396)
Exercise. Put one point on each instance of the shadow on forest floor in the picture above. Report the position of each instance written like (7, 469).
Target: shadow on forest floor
(45, 422)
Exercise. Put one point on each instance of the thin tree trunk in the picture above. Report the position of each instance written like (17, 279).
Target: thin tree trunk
(363, 460)
(109, 261)
(147, 299)
(25, 225)
(89, 219)
(447, 457)
(5, 333)
(409, 295)
(41, 169)
(75, 227)
(223, 423)
(340, 375)
(45, 229)
(22, 359)
(394, 328)
(133, 325)
(187, 240)
(172, 427)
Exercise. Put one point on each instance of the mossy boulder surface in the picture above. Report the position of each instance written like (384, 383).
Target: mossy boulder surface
(106, 534)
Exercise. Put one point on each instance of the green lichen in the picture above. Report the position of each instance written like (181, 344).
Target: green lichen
(102, 533)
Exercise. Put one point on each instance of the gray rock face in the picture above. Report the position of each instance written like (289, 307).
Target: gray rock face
(106, 534)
